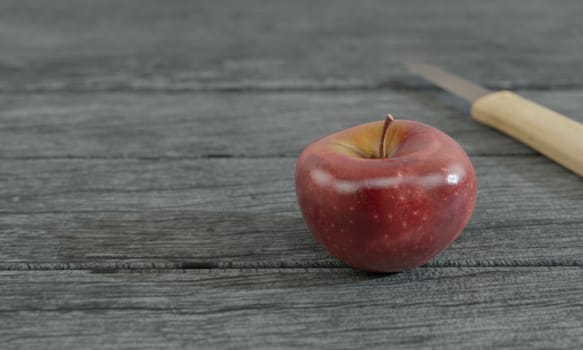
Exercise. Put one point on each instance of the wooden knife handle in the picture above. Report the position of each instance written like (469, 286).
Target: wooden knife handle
(550, 133)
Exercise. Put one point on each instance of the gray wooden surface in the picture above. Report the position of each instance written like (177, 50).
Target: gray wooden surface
(520, 308)
(147, 151)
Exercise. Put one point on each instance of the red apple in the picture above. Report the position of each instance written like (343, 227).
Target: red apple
(386, 197)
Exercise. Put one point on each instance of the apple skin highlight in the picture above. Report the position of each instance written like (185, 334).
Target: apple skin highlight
(386, 213)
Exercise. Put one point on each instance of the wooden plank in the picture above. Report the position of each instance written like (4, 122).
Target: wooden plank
(229, 45)
(231, 125)
(450, 308)
(243, 212)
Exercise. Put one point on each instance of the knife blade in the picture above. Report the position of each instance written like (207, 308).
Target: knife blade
(456, 85)
(550, 133)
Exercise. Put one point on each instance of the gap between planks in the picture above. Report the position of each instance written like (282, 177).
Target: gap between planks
(283, 265)
(270, 87)
(218, 156)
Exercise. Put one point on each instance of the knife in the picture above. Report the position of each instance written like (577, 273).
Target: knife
(550, 133)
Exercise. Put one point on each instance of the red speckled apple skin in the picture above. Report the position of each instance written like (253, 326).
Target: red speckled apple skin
(389, 214)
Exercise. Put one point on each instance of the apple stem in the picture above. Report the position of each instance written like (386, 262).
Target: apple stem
(382, 146)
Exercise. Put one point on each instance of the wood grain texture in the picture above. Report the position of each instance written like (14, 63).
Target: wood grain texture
(449, 308)
(85, 45)
(243, 212)
(116, 125)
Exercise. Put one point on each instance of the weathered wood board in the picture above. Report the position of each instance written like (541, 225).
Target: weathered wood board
(453, 308)
(150, 45)
(122, 125)
(243, 212)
